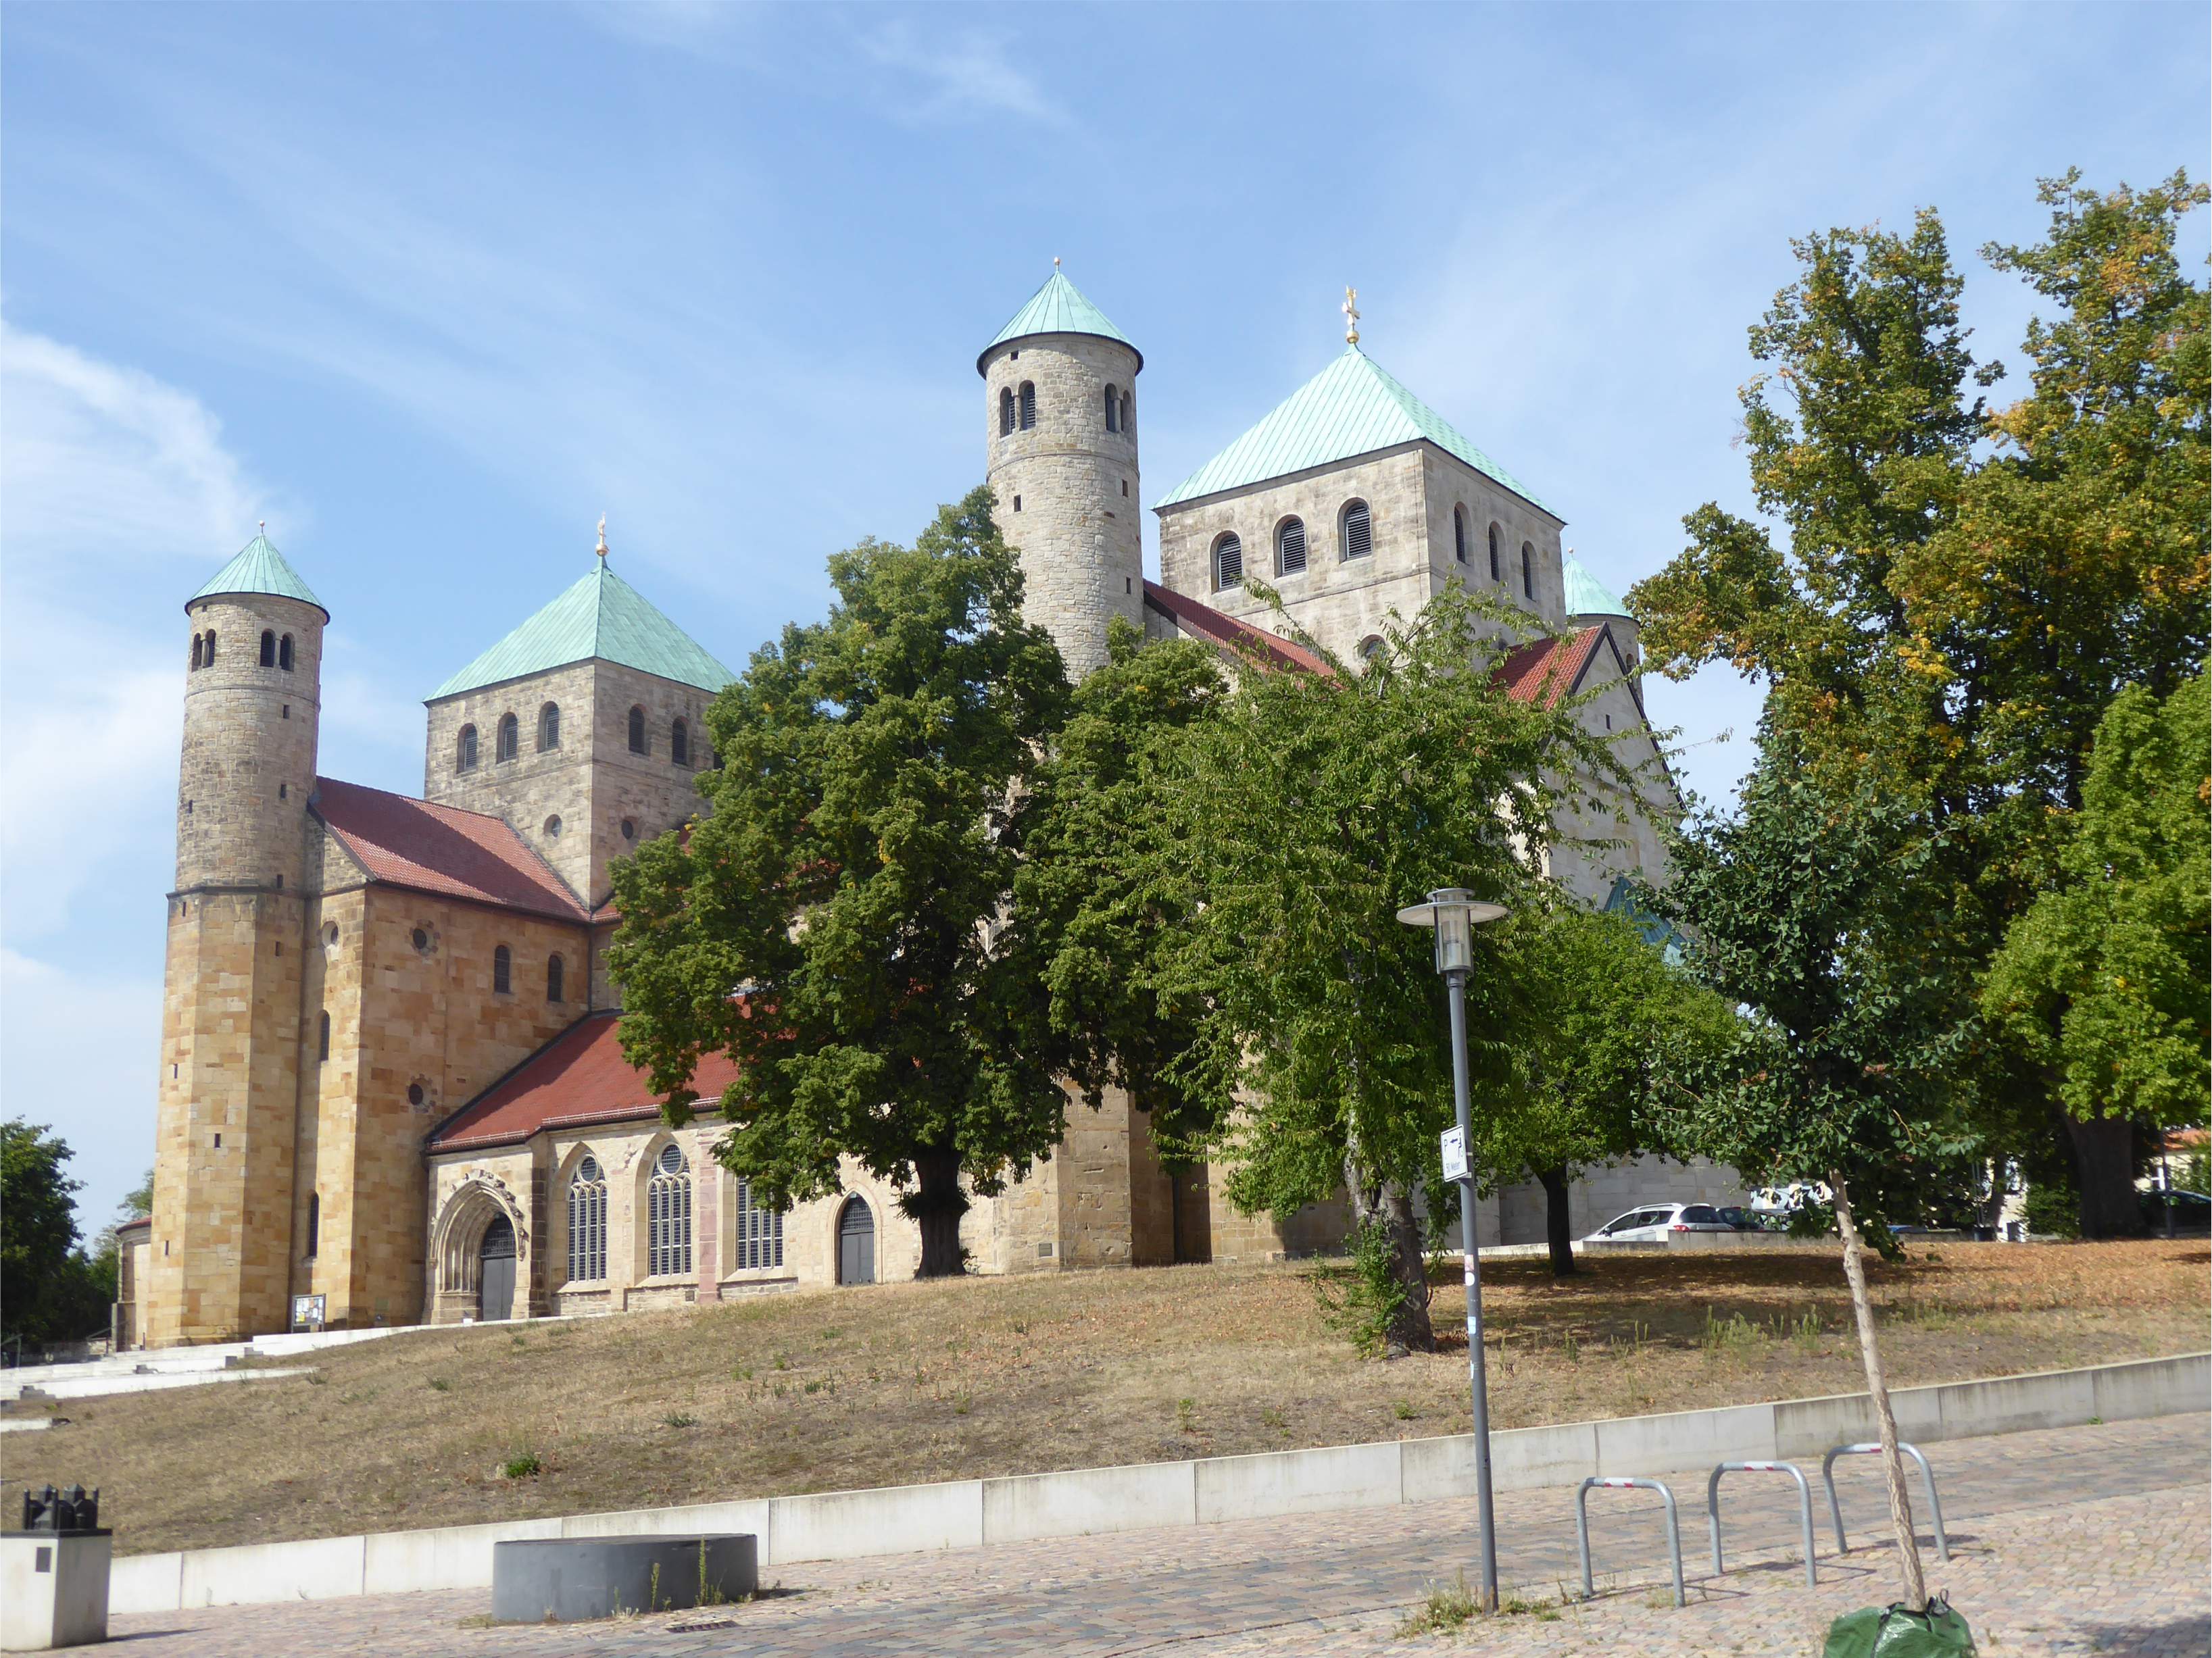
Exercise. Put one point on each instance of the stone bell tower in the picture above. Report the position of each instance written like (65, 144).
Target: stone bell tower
(231, 1020)
(1059, 399)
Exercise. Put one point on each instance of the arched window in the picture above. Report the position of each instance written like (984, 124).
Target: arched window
(510, 737)
(314, 1224)
(1228, 563)
(196, 650)
(1528, 571)
(323, 1036)
(268, 648)
(637, 743)
(679, 742)
(1028, 405)
(1459, 534)
(1006, 410)
(208, 659)
(1113, 409)
(1371, 648)
(464, 750)
(549, 727)
(284, 652)
(760, 1232)
(502, 970)
(556, 970)
(1290, 546)
(588, 1221)
(1494, 575)
(668, 1215)
(1127, 410)
(1357, 530)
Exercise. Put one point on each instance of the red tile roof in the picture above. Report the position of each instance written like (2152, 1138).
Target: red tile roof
(406, 842)
(1204, 621)
(1550, 669)
(577, 1078)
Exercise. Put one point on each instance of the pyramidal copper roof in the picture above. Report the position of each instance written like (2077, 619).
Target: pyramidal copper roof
(1058, 308)
(1351, 408)
(602, 616)
(258, 568)
(1586, 594)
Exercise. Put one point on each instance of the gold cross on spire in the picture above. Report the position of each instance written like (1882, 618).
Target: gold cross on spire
(1350, 308)
(601, 550)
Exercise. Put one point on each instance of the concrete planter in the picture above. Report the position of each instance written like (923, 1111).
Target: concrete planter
(572, 1580)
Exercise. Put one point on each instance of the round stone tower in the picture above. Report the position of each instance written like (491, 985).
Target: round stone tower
(1060, 406)
(232, 1017)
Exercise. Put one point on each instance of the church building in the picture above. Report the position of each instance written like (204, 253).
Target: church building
(391, 1089)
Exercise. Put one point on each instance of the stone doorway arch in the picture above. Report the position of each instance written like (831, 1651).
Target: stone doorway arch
(458, 1250)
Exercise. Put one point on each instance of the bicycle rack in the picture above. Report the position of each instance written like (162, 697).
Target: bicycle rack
(1804, 1508)
(1581, 1528)
(1927, 1477)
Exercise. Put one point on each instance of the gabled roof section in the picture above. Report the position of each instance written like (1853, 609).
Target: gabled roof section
(578, 1079)
(1212, 627)
(403, 842)
(258, 568)
(1351, 408)
(1586, 595)
(602, 617)
(1549, 670)
(1058, 308)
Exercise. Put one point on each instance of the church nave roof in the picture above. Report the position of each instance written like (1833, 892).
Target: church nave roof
(405, 842)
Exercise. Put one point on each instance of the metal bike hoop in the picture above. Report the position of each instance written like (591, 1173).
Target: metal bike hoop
(1804, 1508)
(1581, 1527)
(1927, 1478)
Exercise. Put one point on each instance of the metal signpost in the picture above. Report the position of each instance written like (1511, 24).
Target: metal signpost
(1455, 915)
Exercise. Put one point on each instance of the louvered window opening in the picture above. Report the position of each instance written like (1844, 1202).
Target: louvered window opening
(464, 750)
(587, 1224)
(679, 742)
(1028, 405)
(1006, 410)
(1228, 563)
(1113, 409)
(510, 737)
(1359, 532)
(1291, 546)
(637, 731)
(549, 727)
(760, 1232)
(668, 1217)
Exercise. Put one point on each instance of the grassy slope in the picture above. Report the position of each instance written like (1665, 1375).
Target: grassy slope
(906, 1382)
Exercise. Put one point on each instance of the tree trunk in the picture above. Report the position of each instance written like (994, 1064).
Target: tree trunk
(1410, 1329)
(2105, 1169)
(1559, 1224)
(936, 1204)
(1892, 1462)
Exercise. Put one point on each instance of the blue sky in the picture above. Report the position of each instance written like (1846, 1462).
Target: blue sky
(431, 287)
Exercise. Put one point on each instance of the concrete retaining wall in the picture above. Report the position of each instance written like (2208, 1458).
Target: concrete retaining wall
(966, 1513)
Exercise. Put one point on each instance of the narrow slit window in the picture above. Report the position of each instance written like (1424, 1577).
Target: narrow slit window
(284, 654)
(555, 976)
(1494, 575)
(322, 1043)
(208, 660)
(1528, 571)
(679, 742)
(1459, 535)
(637, 743)
(196, 650)
(1028, 405)
(268, 648)
(1113, 409)
(502, 970)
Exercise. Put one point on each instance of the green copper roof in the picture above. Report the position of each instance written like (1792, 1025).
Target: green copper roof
(1586, 594)
(601, 617)
(259, 568)
(1058, 308)
(1351, 408)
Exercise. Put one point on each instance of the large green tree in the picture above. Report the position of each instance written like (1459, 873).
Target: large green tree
(1944, 597)
(831, 925)
(2104, 979)
(50, 1290)
(1841, 1071)
(1306, 810)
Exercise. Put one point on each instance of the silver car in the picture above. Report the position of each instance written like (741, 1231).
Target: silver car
(1654, 1221)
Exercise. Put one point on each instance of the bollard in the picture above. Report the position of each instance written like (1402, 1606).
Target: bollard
(1804, 1507)
(1581, 1528)
(1927, 1476)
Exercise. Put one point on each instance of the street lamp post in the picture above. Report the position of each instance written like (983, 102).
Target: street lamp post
(1454, 913)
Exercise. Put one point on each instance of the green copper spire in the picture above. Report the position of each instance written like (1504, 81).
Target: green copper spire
(258, 568)
(1351, 408)
(601, 617)
(1586, 595)
(1058, 308)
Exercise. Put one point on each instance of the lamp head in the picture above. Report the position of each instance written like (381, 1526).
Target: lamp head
(1453, 913)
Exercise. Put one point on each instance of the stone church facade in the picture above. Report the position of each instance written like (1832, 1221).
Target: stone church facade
(390, 1087)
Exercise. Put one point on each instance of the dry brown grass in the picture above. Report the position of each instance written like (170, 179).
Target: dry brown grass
(912, 1381)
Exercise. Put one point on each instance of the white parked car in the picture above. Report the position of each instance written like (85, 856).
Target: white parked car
(1654, 1221)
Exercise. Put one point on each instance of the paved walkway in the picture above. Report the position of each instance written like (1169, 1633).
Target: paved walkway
(2080, 1540)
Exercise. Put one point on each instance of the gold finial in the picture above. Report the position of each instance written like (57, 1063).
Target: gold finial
(601, 550)
(1351, 309)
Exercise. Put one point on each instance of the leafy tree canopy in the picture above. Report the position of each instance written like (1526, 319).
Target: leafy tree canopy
(50, 1290)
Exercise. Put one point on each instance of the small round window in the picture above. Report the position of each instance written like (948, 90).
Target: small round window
(553, 827)
(671, 1160)
(421, 939)
(415, 1095)
(588, 1170)
(630, 829)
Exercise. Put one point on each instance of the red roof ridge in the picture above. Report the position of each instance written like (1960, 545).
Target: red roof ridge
(428, 846)
(1550, 667)
(1194, 615)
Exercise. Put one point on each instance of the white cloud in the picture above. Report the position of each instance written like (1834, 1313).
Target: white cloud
(969, 74)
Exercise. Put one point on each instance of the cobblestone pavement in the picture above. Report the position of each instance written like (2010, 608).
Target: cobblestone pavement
(2080, 1540)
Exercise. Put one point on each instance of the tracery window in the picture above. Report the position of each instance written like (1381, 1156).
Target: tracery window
(1228, 563)
(588, 1221)
(1359, 530)
(760, 1232)
(668, 1215)
(1291, 546)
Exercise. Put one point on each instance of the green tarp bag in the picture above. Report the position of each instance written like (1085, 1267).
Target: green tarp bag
(1898, 1631)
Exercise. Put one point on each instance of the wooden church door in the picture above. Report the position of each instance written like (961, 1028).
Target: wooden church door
(495, 1274)
(856, 1243)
